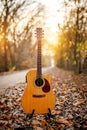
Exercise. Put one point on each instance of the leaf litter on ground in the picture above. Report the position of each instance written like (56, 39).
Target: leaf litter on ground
(70, 111)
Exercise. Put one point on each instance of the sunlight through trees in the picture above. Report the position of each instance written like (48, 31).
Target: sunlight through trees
(65, 34)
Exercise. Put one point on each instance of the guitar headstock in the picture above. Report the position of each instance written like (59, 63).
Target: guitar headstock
(39, 33)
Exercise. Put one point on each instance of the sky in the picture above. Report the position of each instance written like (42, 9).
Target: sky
(55, 17)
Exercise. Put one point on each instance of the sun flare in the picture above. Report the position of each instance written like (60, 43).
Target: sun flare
(54, 18)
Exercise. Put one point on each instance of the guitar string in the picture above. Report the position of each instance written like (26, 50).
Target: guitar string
(39, 64)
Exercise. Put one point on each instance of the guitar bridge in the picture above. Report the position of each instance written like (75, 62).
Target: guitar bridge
(38, 95)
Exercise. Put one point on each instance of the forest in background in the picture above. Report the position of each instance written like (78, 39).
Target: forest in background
(71, 52)
(18, 21)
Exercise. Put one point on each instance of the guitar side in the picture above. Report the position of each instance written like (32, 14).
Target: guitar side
(34, 98)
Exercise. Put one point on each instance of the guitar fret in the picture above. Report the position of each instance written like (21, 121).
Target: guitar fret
(39, 64)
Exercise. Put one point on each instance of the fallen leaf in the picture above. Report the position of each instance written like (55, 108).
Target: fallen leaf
(44, 123)
(79, 102)
(37, 128)
(36, 122)
(7, 117)
(65, 121)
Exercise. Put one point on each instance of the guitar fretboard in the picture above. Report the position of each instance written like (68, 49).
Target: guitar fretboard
(39, 60)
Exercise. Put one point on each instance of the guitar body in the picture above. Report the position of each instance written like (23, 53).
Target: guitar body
(38, 98)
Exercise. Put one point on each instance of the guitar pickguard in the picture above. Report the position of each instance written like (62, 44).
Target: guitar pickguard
(46, 87)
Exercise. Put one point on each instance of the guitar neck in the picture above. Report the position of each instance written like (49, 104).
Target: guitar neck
(39, 60)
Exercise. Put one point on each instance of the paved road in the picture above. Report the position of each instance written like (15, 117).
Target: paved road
(10, 79)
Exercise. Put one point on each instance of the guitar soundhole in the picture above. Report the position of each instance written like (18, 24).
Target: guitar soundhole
(39, 82)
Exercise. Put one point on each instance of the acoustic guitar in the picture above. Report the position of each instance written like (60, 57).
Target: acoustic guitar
(38, 95)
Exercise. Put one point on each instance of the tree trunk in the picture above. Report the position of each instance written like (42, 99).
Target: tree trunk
(85, 65)
(5, 56)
